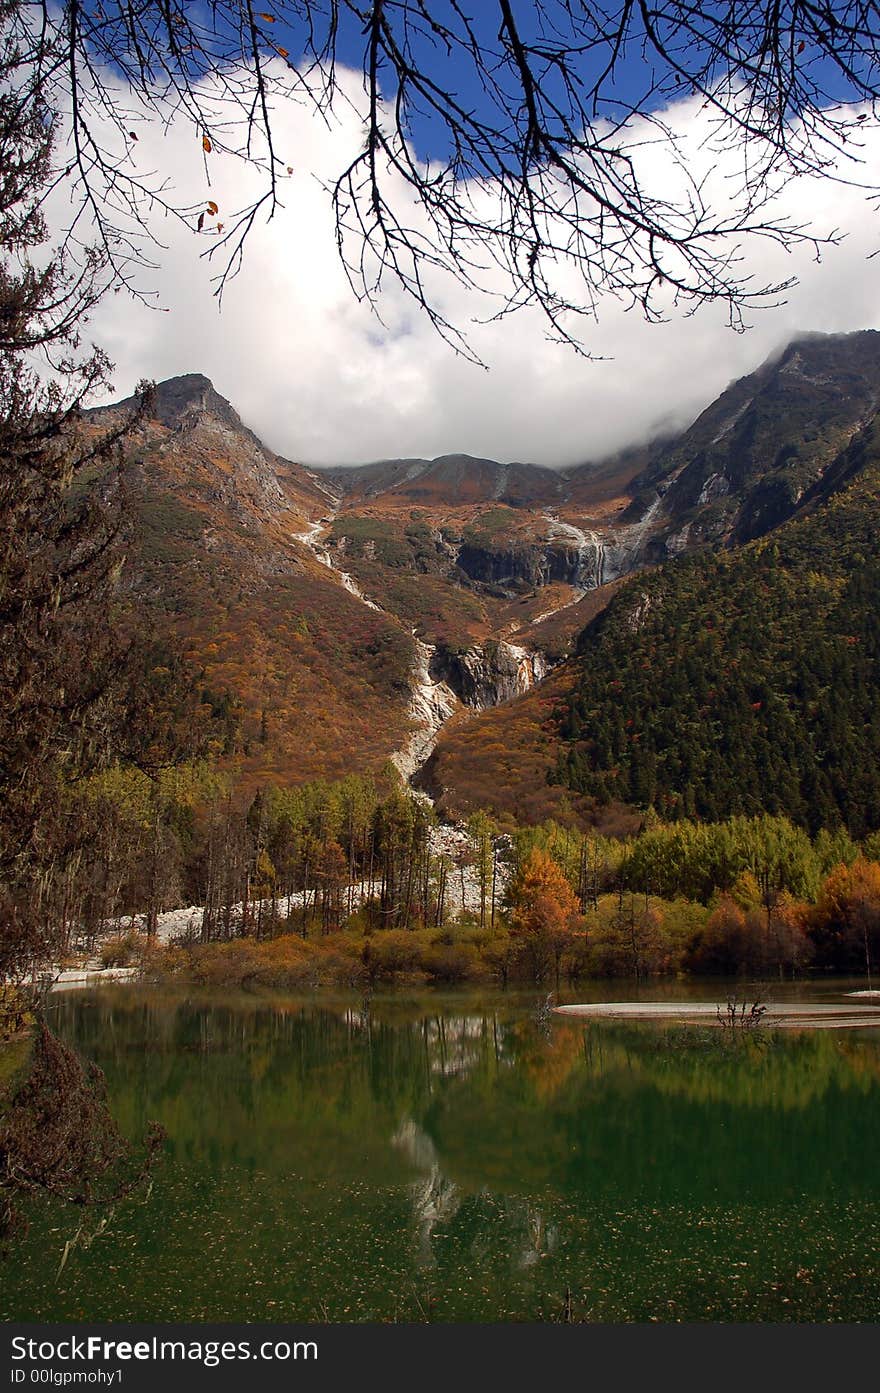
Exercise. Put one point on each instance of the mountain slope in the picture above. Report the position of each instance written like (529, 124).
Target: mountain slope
(300, 676)
(194, 438)
(450, 480)
(746, 463)
(723, 682)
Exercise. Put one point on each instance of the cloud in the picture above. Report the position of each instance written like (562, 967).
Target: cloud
(321, 379)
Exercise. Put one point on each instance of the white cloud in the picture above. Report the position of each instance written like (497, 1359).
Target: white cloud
(320, 379)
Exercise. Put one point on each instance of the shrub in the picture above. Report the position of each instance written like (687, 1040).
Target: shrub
(15, 1010)
(452, 962)
(394, 952)
(121, 950)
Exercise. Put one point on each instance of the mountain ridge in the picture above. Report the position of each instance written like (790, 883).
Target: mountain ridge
(746, 463)
(729, 681)
(329, 619)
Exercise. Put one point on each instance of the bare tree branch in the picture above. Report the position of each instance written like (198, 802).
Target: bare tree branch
(509, 146)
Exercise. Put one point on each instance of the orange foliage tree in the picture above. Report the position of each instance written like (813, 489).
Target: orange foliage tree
(741, 937)
(544, 913)
(846, 919)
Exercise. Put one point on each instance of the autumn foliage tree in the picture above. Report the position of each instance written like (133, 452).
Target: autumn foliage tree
(846, 919)
(744, 937)
(544, 913)
(630, 941)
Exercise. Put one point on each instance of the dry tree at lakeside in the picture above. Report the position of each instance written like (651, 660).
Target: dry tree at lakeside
(535, 119)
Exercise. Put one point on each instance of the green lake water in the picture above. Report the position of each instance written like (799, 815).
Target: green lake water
(461, 1157)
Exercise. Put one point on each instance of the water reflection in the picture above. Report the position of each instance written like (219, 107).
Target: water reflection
(435, 1198)
(459, 1159)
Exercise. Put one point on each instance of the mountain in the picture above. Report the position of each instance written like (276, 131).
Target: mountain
(334, 619)
(452, 480)
(750, 460)
(462, 547)
(195, 441)
(723, 682)
(240, 560)
(298, 675)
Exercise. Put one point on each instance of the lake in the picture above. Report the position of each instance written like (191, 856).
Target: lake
(466, 1158)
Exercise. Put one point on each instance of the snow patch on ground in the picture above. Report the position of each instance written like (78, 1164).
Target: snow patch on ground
(431, 705)
(311, 539)
(75, 978)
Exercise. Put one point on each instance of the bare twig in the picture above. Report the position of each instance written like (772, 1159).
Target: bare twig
(538, 191)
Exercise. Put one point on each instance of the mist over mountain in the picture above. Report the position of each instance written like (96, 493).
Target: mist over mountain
(358, 614)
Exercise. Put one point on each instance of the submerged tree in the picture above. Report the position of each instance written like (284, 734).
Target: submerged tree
(507, 142)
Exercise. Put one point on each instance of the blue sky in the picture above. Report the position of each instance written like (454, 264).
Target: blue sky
(324, 380)
(636, 70)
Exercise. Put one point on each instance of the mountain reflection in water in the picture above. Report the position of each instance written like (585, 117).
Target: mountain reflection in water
(455, 1158)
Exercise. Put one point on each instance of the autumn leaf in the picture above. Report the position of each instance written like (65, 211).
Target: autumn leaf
(200, 222)
(290, 169)
(212, 208)
(206, 145)
(270, 19)
(282, 51)
(132, 135)
(801, 46)
(220, 226)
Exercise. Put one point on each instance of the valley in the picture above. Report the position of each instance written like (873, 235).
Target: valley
(474, 727)
(343, 618)
(443, 683)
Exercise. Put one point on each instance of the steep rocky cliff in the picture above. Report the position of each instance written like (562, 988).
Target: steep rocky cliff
(192, 443)
(486, 674)
(748, 462)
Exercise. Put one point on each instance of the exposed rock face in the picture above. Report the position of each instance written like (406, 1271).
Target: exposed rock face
(486, 675)
(747, 463)
(182, 401)
(522, 567)
(433, 702)
(584, 560)
(444, 680)
(193, 442)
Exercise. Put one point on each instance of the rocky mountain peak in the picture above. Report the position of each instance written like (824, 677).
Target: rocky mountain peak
(179, 401)
(192, 443)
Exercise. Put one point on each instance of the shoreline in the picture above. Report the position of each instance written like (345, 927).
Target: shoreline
(790, 1016)
(861, 1011)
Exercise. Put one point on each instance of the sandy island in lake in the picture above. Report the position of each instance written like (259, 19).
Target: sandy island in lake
(779, 1016)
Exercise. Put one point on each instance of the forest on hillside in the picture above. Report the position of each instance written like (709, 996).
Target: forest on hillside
(351, 883)
(741, 682)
